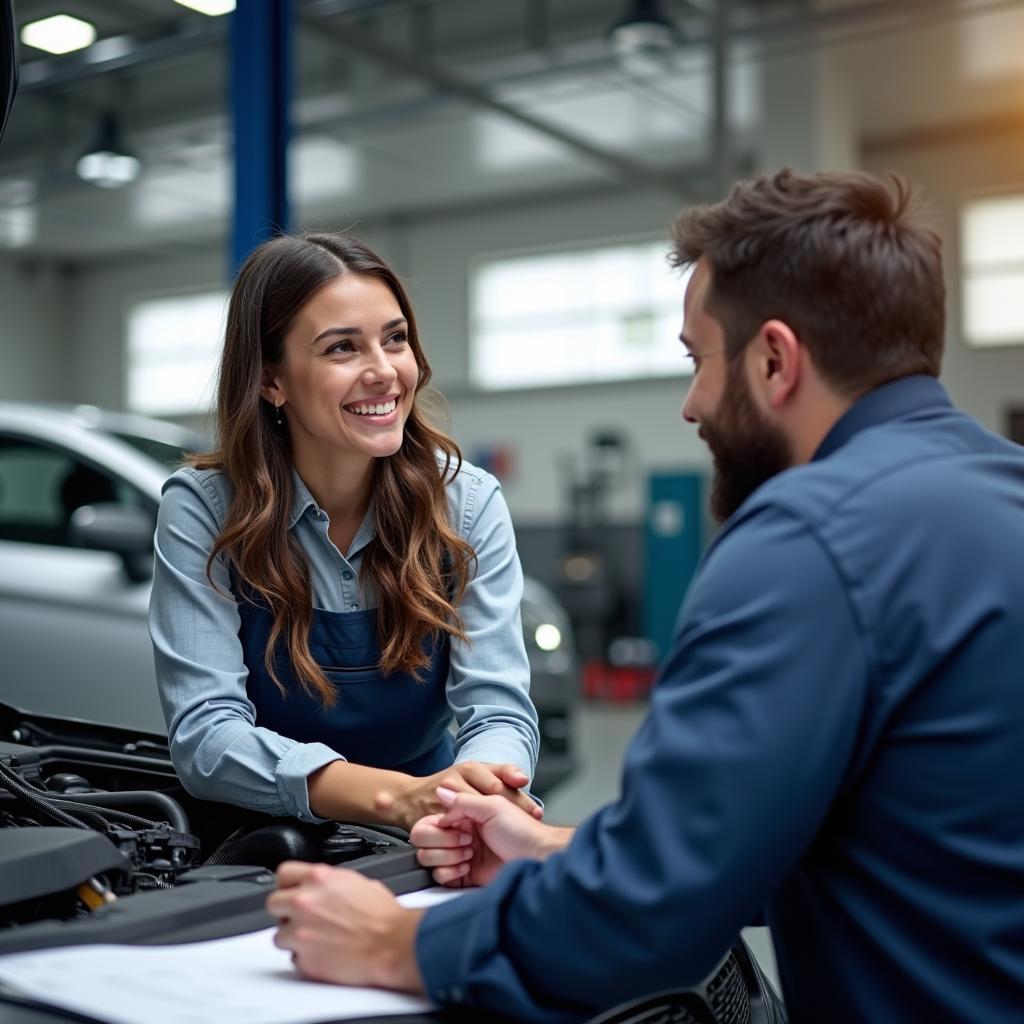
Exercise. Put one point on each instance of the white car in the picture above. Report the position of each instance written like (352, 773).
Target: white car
(79, 490)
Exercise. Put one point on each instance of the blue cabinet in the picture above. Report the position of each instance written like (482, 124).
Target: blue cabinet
(674, 540)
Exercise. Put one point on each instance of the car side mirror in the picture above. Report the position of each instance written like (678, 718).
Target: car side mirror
(125, 530)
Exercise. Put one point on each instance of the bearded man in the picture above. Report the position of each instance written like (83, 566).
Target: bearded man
(835, 737)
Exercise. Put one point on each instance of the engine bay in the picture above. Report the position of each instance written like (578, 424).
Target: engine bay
(96, 831)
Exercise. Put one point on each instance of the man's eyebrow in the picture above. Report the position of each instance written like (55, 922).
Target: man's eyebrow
(356, 330)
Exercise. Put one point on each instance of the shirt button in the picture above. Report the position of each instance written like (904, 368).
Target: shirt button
(347, 574)
(353, 607)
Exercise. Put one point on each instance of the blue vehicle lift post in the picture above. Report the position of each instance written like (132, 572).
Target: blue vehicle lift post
(260, 40)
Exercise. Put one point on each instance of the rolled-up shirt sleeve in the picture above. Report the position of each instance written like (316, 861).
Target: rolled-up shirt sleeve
(489, 676)
(218, 750)
(751, 727)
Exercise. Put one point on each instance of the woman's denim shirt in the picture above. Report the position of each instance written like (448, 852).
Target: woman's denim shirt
(219, 751)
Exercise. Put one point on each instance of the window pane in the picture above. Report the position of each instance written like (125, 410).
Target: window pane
(993, 311)
(173, 347)
(607, 313)
(992, 231)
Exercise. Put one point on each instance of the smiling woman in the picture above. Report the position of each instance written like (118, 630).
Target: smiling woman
(334, 585)
(346, 389)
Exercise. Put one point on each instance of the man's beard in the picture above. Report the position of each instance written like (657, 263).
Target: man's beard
(746, 449)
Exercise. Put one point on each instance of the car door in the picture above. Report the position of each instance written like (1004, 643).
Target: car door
(73, 637)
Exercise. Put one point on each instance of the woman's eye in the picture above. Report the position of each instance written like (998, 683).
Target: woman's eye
(339, 346)
(398, 338)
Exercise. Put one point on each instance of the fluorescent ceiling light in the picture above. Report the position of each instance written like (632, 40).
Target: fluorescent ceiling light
(59, 34)
(210, 7)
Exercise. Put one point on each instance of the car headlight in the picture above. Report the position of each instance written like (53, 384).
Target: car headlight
(548, 637)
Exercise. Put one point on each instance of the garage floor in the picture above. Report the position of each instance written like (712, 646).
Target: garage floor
(603, 731)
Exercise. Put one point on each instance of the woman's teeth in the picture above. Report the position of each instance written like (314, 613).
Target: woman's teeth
(380, 409)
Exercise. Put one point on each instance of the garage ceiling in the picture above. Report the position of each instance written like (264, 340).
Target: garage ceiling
(409, 106)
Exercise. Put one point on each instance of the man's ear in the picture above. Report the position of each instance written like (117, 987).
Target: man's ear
(778, 362)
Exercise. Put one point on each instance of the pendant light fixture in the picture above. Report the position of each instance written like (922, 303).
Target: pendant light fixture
(643, 37)
(106, 163)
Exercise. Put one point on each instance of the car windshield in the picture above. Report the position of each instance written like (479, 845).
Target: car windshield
(171, 455)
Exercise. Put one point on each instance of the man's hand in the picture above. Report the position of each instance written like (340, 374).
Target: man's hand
(417, 797)
(344, 928)
(476, 835)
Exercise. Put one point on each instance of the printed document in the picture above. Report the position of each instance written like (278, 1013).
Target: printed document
(244, 979)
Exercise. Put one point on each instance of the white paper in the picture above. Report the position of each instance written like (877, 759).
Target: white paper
(244, 979)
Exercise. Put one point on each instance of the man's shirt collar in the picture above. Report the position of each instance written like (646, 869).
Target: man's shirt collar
(888, 402)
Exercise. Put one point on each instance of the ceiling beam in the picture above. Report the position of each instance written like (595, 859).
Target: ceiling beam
(43, 74)
(628, 171)
(118, 52)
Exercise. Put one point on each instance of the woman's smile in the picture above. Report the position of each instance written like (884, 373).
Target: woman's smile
(348, 350)
(380, 412)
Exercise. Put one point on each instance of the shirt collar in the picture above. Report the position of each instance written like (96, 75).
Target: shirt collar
(888, 402)
(303, 501)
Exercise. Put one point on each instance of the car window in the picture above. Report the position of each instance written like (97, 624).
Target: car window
(169, 454)
(41, 486)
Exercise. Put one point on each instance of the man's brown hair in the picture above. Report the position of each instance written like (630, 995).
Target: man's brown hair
(837, 257)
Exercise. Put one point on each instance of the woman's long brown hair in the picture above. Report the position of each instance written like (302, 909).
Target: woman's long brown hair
(417, 561)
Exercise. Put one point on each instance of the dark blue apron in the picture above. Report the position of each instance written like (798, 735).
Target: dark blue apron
(382, 721)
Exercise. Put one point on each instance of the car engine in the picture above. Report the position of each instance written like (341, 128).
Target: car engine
(94, 818)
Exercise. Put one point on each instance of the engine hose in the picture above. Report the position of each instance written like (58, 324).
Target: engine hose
(173, 812)
(223, 852)
(32, 797)
(71, 812)
(103, 812)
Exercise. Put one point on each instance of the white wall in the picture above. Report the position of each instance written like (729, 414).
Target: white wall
(35, 307)
(982, 381)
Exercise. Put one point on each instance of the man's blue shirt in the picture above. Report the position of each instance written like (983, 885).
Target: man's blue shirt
(836, 737)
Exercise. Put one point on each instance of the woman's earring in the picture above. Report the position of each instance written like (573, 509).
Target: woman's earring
(278, 418)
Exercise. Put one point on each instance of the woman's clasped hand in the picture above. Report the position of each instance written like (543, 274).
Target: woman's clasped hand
(418, 798)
